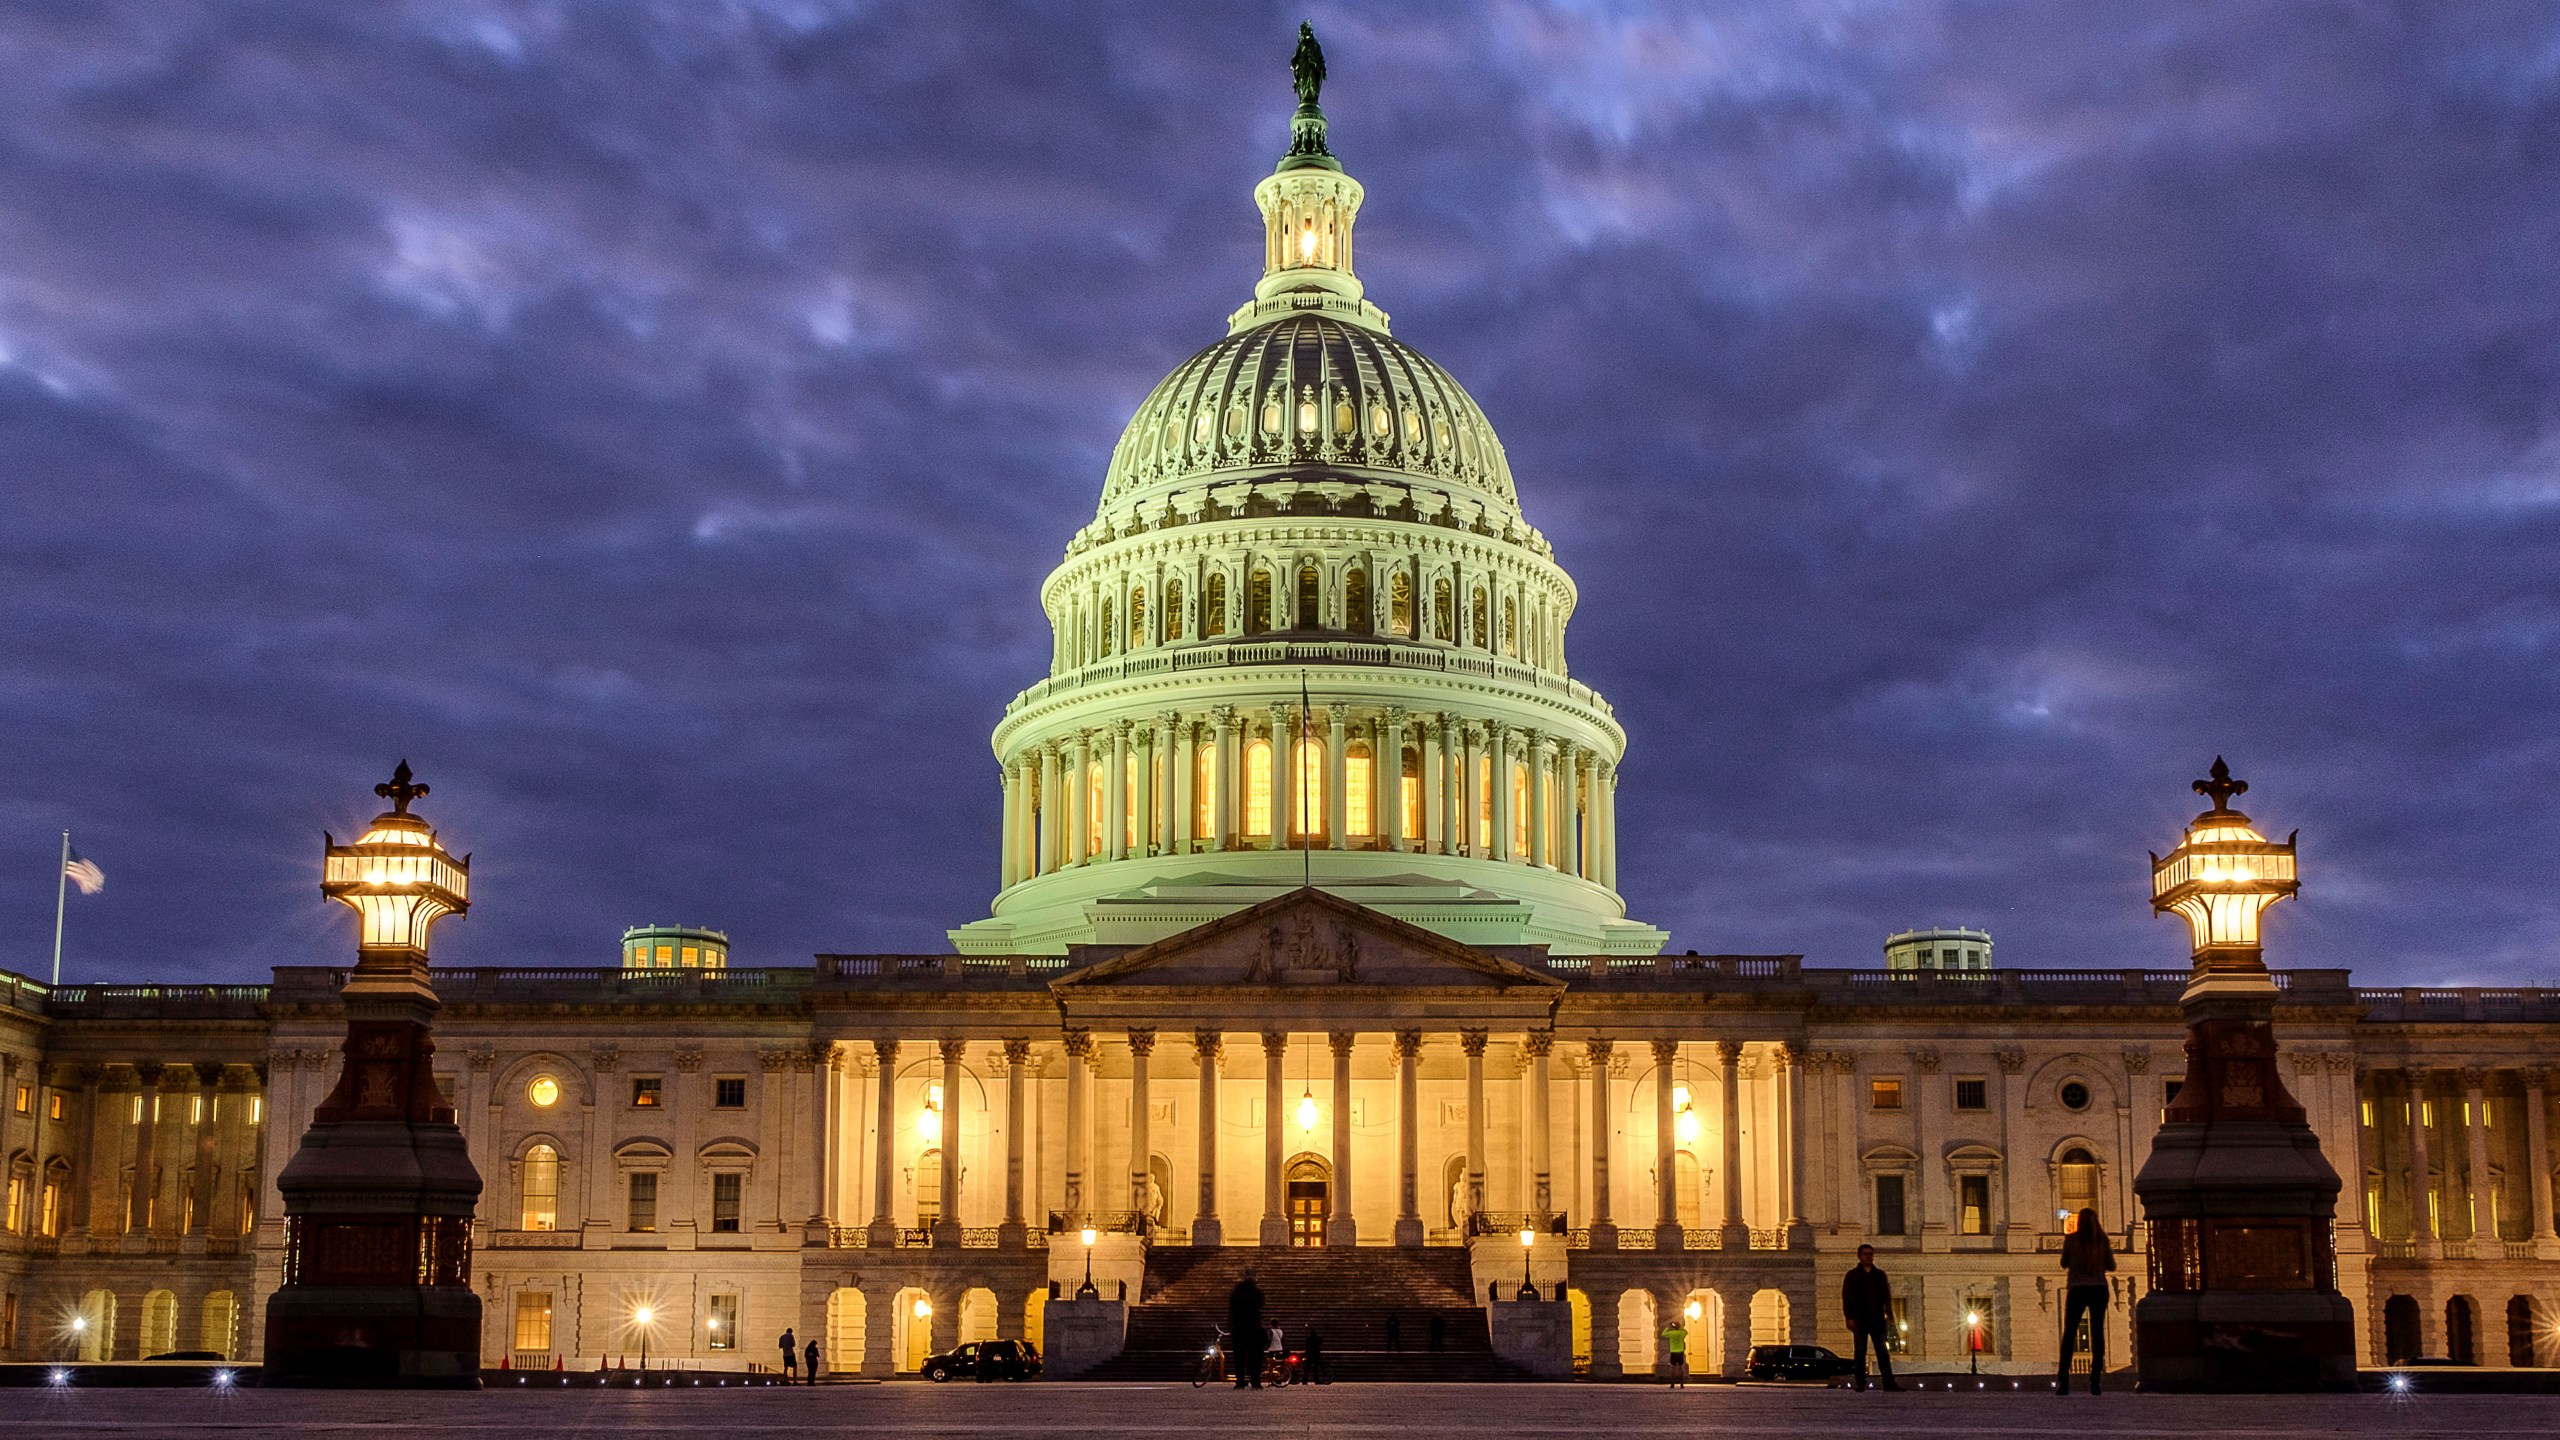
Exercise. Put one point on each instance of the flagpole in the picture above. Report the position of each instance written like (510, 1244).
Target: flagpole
(61, 890)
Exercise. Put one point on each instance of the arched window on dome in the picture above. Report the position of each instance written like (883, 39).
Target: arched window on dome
(1510, 627)
(1213, 612)
(1174, 620)
(1108, 633)
(1204, 791)
(1257, 602)
(1257, 787)
(1355, 603)
(1400, 603)
(1484, 804)
(1310, 597)
(1307, 786)
(1138, 617)
(1410, 793)
(1444, 619)
(1359, 774)
(1132, 824)
(1479, 620)
(1093, 811)
(1520, 783)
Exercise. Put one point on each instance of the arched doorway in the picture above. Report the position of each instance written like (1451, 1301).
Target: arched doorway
(912, 1338)
(846, 1317)
(1310, 1194)
(2460, 1342)
(95, 1324)
(2399, 1329)
(2520, 1331)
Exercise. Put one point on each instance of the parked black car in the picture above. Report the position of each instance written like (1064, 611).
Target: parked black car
(1795, 1362)
(985, 1360)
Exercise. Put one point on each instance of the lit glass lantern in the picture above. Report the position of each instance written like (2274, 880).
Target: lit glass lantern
(2222, 877)
(397, 878)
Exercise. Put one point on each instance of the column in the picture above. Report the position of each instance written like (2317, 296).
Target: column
(208, 1161)
(1608, 778)
(884, 1169)
(1340, 1228)
(1017, 1124)
(1451, 841)
(146, 1150)
(1791, 1062)
(2475, 1114)
(1027, 844)
(1222, 779)
(1050, 841)
(948, 1231)
(1144, 755)
(1666, 1169)
(1182, 808)
(1337, 768)
(1115, 795)
(1080, 801)
(1205, 1228)
(1408, 1137)
(1472, 1042)
(2537, 1136)
(1604, 1234)
(94, 1181)
(2422, 1228)
(1284, 801)
(1577, 820)
(1541, 764)
(1390, 764)
(830, 1131)
(1498, 781)
(1142, 1046)
(1005, 871)
(1079, 1044)
(1737, 1234)
(1541, 1121)
(1275, 1060)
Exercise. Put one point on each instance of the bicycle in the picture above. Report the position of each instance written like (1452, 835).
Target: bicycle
(1213, 1366)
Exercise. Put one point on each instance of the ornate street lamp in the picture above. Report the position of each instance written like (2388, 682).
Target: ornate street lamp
(1528, 1247)
(2241, 1203)
(378, 1198)
(1086, 1291)
(641, 1319)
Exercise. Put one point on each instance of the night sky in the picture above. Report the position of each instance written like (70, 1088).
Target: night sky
(654, 422)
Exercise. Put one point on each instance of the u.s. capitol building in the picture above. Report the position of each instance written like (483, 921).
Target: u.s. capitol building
(1307, 937)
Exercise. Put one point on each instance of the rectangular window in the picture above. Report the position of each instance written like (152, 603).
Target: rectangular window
(1973, 1095)
(533, 1322)
(729, 1092)
(645, 1092)
(195, 1110)
(257, 1108)
(2169, 1096)
(1973, 1204)
(53, 1107)
(2364, 1109)
(722, 1326)
(1898, 1334)
(1889, 1205)
(26, 1098)
(17, 1203)
(1885, 1093)
(52, 1217)
(726, 1191)
(644, 1202)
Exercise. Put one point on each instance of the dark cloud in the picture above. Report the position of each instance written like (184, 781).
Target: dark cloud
(654, 422)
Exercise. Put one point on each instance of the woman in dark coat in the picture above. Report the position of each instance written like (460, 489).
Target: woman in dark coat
(2087, 1260)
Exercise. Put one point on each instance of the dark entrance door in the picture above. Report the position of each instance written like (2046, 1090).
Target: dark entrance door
(1310, 1195)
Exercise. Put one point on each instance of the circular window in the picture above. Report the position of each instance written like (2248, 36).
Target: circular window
(544, 1092)
(2075, 1096)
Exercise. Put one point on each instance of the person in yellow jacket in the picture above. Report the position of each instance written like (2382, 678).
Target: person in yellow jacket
(1675, 1351)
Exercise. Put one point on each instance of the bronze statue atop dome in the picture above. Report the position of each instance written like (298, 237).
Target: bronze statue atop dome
(1306, 67)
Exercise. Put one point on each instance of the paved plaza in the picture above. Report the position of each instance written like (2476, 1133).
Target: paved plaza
(1331, 1413)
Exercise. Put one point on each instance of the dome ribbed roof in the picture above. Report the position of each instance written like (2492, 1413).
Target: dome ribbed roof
(1308, 390)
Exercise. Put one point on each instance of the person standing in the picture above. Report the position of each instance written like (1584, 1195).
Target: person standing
(1675, 1352)
(1395, 1333)
(809, 1356)
(790, 1354)
(2087, 1259)
(1315, 1358)
(1866, 1297)
(1244, 1331)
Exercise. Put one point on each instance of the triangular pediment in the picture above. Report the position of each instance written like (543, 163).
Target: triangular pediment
(1306, 939)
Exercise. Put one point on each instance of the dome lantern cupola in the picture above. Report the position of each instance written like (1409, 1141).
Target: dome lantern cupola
(1308, 205)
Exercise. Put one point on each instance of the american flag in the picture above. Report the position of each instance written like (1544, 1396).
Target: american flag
(84, 872)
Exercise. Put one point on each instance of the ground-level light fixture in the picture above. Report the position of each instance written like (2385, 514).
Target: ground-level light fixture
(1086, 1291)
(1528, 1247)
(644, 1316)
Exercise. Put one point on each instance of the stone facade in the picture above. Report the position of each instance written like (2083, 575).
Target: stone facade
(794, 1178)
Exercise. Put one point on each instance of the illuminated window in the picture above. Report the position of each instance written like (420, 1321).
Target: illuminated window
(928, 1187)
(1200, 428)
(728, 1191)
(1093, 811)
(53, 1107)
(1344, 419)
(1309, 796)
(1355, 603)
(1108, 638)
(1130, 823)
(1270, 417)
(1510, 627)
(647, 1091)
(195, 1109)
(1257, 603)
(26, 1099)
(692, 957)
(1973, 1204)
(642, 1212)
(541, 1188)
(1412, 796)
(1479, 622)
(533, 1321)
(1357, 771)
(1213, 617)
(1484, 804)
(1204, 795)
(1519, 808)
(1885, 1094)
(722, 1326)
(2364, 1109)
(17, 1218)
(1257, 787)
(544, 1092)
(1137, 617)
(1377, 419)
(1306, 417)
(1412, 427)
(1400, 603)
(50, 1221)
(1444, 618)
(1172, 611)
(1235, 421)
(257, 1108)
(666, 957)
(2079, 1180)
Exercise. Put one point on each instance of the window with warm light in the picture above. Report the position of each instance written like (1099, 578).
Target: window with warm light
(541, 1188)
(1444, 615)
(1973, 1204)
(929, 1188)
(1307, 797)
(1093, 811)
(1519, 809)
(720, 1328)
(2078, 1180)
(1410, 796)
(1137, 617)
(26, 1099)
(1400, 603)
(1257, 787)
(1484, 804)
(544, 1092)
(1213, 613)
(647, 1091)
(1356, 616)
(53, 1107)
(1885, 1093)
(1257, 603)
(1357, 776)
(1172, 611)
(533, 1322)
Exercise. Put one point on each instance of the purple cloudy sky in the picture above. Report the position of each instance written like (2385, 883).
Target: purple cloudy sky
(655, 421)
